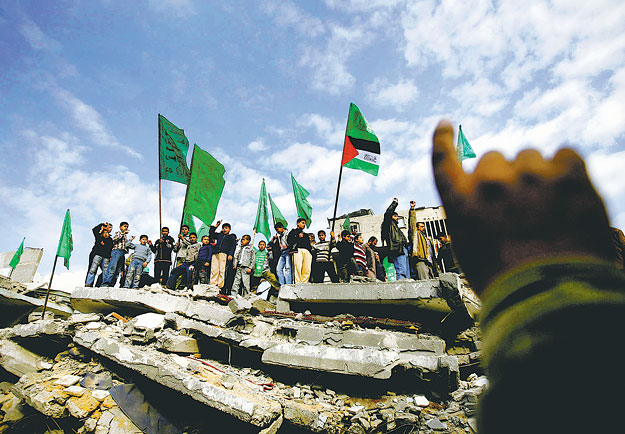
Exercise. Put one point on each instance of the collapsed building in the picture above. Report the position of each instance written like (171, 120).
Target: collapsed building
(336, 358)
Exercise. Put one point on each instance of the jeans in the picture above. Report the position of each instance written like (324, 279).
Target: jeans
(402, 269)
(98, 261)
(133, 274)
(284, 268)
(116, 256)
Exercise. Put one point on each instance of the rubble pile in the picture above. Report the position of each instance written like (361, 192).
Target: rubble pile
(198, 359)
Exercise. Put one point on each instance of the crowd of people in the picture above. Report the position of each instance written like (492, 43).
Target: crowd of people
(290, 256)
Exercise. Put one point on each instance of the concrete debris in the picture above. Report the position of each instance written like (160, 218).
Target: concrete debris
(173, 339)
(18, 360)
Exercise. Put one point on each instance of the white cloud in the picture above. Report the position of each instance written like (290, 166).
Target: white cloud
(328, 65)
(37, 39)
(330, 131)
(288, 14)
(257, 145)
(397, 95)
(89, 120)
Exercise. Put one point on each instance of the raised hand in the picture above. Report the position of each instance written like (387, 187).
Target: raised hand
(507, 213)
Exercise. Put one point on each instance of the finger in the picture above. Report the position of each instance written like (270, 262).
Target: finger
(493, 166)
(448, 172)
(567, 160)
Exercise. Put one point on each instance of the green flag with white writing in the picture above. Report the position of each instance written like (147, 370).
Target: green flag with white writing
(276, 214)
(304, 209)
(18, 254)
(173, 147)
(261, 225)
(66, 243)
(464, 148)
(206, 184)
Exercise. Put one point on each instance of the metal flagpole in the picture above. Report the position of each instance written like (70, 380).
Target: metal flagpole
(160, 215)
(45, 303)
(186, 195)
(338, 185)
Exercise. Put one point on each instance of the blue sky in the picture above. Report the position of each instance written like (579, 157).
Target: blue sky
(265, 87)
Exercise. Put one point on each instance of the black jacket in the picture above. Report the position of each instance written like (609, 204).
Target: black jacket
(296, 242)
(163, 250)
(103, 246)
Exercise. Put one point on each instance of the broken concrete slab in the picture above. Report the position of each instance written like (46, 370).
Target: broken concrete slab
(14, 306)
(18, 360)
(106, 300)
(172, 371)
(423, 294)
(366, 362)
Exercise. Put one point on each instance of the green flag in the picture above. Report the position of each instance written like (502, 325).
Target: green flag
(261, 224)
(206, 184)
(361, 149)
(304, 210)
(464, 149)
(204, 230)
(18, 254)
(173, 149)
(276, 214)
(187, 219)
(66, 243)
(347, 225)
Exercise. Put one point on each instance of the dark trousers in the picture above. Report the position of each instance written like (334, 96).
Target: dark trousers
(161, 271)
(203, 273)
(229, 279)
(319, 270)
(186, 273)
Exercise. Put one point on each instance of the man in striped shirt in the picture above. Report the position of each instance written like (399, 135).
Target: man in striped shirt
(323, 263)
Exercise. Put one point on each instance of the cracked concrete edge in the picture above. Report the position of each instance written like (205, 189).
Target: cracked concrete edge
(119, 299)
(171, 371)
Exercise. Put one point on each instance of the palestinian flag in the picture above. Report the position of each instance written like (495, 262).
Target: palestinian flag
(361, 150)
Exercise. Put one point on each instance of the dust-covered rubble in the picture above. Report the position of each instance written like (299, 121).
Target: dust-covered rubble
(258, 371)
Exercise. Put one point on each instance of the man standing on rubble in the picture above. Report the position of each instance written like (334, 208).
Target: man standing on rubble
(396, 241)
(423, 255)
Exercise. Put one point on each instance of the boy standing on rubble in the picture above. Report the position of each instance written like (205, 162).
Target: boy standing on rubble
(243, 263)
(101, 256)
(323, 263)
(140, 259)
(185, 269)
(120, 248)
(262, 270)
(223, 252)
(203, 263)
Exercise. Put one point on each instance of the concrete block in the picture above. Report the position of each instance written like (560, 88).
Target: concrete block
(150, 320)
(38, 316)
(239, 304)
(77, 391)
(27, 267)
(174, 343)
(114, 421)
(82, 318)
(67, 380)
(81, 407)
(18, 360)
